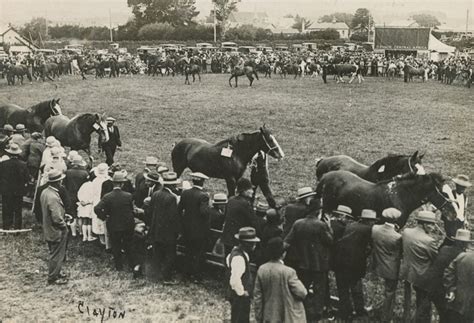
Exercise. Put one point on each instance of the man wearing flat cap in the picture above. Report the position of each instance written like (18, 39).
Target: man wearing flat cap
(386, 257)
(419, 252)
(193, 209)
(239, 213)
(114, 141)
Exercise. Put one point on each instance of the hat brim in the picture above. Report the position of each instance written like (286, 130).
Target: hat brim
(460, 182)
(462, 240)
(63, 176)
(151, 179)
(256, 239)
(11, 152)
(306, 195)
(219, 202)
(368, 218)
(342, 213)
(433, 221)
(82, 163)
(171, 182)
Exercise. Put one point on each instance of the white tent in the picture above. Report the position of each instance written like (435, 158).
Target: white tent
(438, 49)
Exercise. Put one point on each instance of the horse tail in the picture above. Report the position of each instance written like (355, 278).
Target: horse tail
(178, 158)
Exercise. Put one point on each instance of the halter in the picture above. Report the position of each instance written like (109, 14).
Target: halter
(446, 200)
(270, 148)
(51, 107)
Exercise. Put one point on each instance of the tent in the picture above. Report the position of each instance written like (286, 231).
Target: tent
(439, 50)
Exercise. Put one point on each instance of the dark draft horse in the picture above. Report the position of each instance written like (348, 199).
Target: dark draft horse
(382, 169)
(76, 133)
(247, 70)
(192, 69)
(411, 71)
(18, 71)
(405, 192)
(33, 118)
(201, 156)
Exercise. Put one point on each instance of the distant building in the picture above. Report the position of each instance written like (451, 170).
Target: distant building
(403, 23)
(284, 26)
(16, 43)
(257, 19)
(341, 27)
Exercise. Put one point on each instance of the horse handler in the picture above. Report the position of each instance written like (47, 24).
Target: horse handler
(114, 141)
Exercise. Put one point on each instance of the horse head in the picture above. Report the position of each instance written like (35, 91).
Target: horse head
(393, 165)
(270, 144)
(55, 107)
(100, 126)
(437, 196)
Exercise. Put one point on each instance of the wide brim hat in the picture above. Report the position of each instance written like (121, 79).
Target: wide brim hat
(101, 169)
(55, 176)
(462, 180)
(152, 177)
(8, 127)
(110, 119)
(151, 160)
(20, 127)
(119, 177)
(463, 235)
(198, 175)
(78, 161)
(219, 198)
(368, 214)
(305, 192)
(162, 169)
(247, 234)
(343, 210)
(50, 141)
(170, 178)
(426, 216)
(391, 213)
(14, 149)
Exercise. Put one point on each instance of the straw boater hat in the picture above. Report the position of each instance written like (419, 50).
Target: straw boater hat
(391, 213)
(110, 119)
(305, 192)
(8, 127)
(119, 177)
(247, 234)
(151, 160)
(462, 180)
(219, 198)
(14, 149)
(55, 175)
(162, 169)
(101, 170)
(170, 178)
(152, 177)
(198, 175)
(20, 127)
(368, 214)
(343, 210)
(463, 235)
(426, 216)
(50, 141)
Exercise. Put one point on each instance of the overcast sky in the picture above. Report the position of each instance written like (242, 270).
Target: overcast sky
(97, 11)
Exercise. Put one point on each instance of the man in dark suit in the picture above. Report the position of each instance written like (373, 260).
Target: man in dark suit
(108, 185)
(114, 141)
(350, 262)
(14, 178)
(259, 177)
(141, 188)
(33, 152)
(116, 208)
(239, 214)
(75, 177)
(165, 225)
(311, 238)
(194, 211)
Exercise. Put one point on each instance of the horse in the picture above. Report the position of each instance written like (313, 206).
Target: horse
(227, 159)
(33, 118)
(192, 69)
(248, 71)
(19, 71)
(48, 70)
(404, 192)
(124, 65)
(411, 71)
(380, 170)
(76, 133)
(339, 70)
(264, 67)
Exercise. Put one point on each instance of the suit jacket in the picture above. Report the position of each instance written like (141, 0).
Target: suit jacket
(108, 186)
(352, 249)
(432, 279)
(73, 181)
(114, 138)
(293, 212)
(311, 238)
(54, 226)
(32, 152)
(419, 251)
(387, 251)
(165, 225)
(239, 213)
(278, 294)
(116, 208)
(13, 177)
(459, 278)
(142, 190)
(194, 211)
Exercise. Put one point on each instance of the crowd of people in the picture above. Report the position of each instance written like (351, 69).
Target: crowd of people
(293, 245)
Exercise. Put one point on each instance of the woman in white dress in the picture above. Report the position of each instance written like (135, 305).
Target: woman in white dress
(84, 210)
(98, 226)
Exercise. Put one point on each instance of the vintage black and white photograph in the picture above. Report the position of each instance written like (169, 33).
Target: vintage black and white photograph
(264, 161)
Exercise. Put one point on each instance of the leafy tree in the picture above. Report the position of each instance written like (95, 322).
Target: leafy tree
(359, 36)
(223, 10)
(244, 32)
(361, 19)
(299, 22)
(128, 31)
(327, 34)
(339, 17)
(156, 31)
(426, 20)
(174, 12)
(37, 29)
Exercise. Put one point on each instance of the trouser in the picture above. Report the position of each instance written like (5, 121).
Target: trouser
(319, 281)
(389, 299)
(439, 300)
(57, 255)
(195, 249)
(11, 211)
(239, 309)
(423, 305)
(266, 191)
(456, 317)
(348, 286)
(165, 254)
(109, 154)
(121, 240)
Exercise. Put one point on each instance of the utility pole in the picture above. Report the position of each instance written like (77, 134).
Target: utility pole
(110, 27)
(467, 21)
(215, 22)
(368, 30)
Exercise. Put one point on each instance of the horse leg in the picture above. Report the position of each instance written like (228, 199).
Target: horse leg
(230, 186)
(250, 79)
(199, 76)
(194, 78)
(230, 79)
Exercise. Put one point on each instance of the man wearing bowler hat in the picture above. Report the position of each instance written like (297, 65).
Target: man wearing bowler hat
(419, 252)
(54, 227)
(240, 277)
(116, 208)
(141, 189)
(165, 225)
(14, 179)
(193, 209)
(114, 141)
(239, 213)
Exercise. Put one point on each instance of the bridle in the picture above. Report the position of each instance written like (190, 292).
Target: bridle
(270, 148)
(446, 200)
(53, 110)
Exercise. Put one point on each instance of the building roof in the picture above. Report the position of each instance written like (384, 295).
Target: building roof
(328, 25)
(257, 19)
(18, 37)
(403, 23)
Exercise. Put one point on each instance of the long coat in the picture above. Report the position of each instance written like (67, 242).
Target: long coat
(419, 251)
(194, 211)
(54, 226)
(239, 213)
(32, 152)
(293, 212)
(13, 177)
(387, 251)
(352, 249)
(459, 278)
(116, 208)
(75, 177)
(278, 295)
(311, 238)
(165, 225)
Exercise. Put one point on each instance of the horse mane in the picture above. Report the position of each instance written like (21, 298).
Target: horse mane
(388, 160)
(234, 140)
(83, 116)
(437, 178)
(40, 105)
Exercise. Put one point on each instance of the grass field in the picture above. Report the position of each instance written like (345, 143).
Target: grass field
(310, 119)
